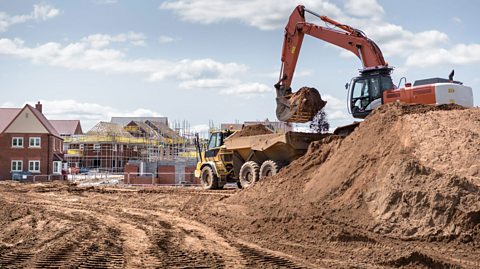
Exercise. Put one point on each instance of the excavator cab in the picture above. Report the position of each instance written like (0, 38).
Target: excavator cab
(366, 91)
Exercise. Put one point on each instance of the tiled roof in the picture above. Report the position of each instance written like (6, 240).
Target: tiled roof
(44, 121)
(6, 116)
(109, 129)
(66, 127)
(126, 120)
(163, 129)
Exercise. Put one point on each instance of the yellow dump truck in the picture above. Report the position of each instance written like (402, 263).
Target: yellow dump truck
(229, 157)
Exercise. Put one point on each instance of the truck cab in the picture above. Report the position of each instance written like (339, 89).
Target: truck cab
(215, 167)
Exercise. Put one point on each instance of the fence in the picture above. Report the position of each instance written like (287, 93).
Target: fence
(41, 178)
(161, 178)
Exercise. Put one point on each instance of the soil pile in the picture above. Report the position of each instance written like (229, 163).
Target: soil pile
(308, 100)
(251, 130)
(408, 171)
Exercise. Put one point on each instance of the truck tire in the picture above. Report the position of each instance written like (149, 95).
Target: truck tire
(270, 168)
(249, 174)
(208, 178)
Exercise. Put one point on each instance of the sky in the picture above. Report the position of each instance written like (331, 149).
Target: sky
(213, 60)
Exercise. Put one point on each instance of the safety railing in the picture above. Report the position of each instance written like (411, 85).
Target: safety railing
(42, 178)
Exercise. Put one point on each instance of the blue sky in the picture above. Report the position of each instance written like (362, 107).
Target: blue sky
(202, 60)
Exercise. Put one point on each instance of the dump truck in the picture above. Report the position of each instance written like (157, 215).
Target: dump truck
(229, 157)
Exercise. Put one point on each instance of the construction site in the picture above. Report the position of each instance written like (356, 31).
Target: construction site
(399, 187)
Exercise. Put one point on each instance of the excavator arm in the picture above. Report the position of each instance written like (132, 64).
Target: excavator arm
(303, 105)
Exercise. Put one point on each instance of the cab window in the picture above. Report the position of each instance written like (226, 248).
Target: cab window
(216, 140)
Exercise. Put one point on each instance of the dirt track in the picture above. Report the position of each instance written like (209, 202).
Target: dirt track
(52, 226)
(59, 226)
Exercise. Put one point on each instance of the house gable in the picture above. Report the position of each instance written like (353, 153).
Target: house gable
(26, 122)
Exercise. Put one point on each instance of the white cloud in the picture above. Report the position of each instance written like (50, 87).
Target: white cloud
(457, 20)
(459, 54)
(364, 8)
(93, 53)
(101, 40)
(247, 90)
(88, 113)
(41, 12)
(367, 15)
(265, 15)
(163, 39)
(298, 74)
(105, 2)
(200, 128)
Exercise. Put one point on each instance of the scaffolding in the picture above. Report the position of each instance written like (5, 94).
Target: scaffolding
(109, 146)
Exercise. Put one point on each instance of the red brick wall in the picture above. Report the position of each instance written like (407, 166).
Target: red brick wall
(44, 154)
(168, 177)
(190, 175)
(129, 169)
(134, 178)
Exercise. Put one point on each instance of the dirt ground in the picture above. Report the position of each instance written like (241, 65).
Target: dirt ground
(402, 191)
(55, 225)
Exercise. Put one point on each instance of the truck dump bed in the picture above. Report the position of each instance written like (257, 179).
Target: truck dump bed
(285, 147)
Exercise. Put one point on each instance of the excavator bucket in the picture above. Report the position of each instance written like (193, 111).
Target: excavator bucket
(300, 106)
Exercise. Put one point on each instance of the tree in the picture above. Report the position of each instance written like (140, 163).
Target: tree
(320, 124)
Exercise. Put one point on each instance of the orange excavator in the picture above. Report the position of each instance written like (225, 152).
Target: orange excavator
(369, 90)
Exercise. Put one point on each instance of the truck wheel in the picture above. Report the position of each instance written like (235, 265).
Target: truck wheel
(208, 178)
(249, 174)
(270, 168)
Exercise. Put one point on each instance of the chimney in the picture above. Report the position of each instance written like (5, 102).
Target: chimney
(38, 106)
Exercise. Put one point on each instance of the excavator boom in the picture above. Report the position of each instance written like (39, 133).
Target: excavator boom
(303, 105)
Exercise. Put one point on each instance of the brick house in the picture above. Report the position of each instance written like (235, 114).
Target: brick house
(28, 143)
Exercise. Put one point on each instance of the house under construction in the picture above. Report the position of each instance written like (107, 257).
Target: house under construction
(110, 146)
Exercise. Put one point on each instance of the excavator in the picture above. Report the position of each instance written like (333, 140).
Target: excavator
(369, 90)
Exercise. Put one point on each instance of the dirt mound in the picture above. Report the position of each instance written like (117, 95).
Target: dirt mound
(251, 130)
(308, 100)
(408, 171)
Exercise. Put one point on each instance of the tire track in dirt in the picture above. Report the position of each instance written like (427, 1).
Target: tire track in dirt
(169, 241)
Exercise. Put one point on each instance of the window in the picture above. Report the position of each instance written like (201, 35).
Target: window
(57, 167)
(96, 146)
(81, 146)
(17, 166)
(34, 142)
(114, 147)
(17, 142)
(216, 140)
(34, 166)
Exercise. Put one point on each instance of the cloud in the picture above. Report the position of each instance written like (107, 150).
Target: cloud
(460, 54)
(101, 40)
(41, 12)
(364, 8)
(457, 20)
(367, 15)
(163, 39)
(88, 113)
(93, 53)
(105, 2)
(265, 15)
(247, 90)
(200, 128)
